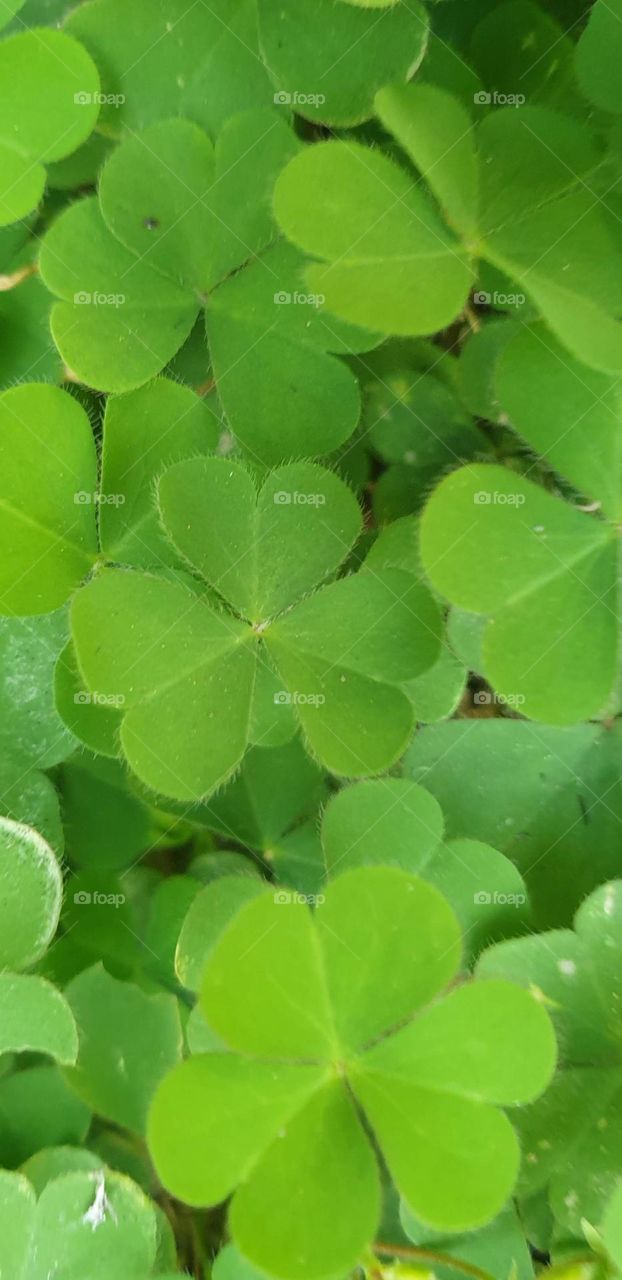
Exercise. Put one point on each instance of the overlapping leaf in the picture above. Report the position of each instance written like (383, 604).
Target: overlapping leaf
(515, 546)
(548, 798)
(47, 512)
(185, 674)
(86, 1222)
(577, 975)
(302, 1004)
(49, 102)
(516, 193)
(172, 226)
(328, 60)
(395, 822)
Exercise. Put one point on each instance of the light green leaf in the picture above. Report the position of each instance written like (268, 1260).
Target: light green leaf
(34, 1016)
(310, 1225)
(456, 1194)
(437, 133)
(538, 549)
(111, 303)
(95, 723)
(235, 538)
(30, 896)
(612, 1227)
(48, 467)
(128, 1041)
(210, 913)
(230, 1106)
(243, 1000)
(17, 1210)
(144, 432)
(195, 222)
(389, 261)
(49, 102)
(555, 402)
(179, 658)
(378, 978)
(505, 1016)
(269, 336)
(342, 655)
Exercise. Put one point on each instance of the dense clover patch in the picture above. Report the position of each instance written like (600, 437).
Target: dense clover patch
(310, 684)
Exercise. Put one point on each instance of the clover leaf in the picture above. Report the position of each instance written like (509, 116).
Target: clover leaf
(325, 1015)
(395, 822)
(184, 672)
(327, 61)
(85, 1222)
(128, 1041)
(536, 546)
(34, 1016)
(48, 467)
(172, 232)
(548, 798)
(207, 72)
(577, 975)
(514, 192)
(49, 102)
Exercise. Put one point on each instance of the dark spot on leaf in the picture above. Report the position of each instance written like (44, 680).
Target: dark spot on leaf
(584, 811)
(151, 224)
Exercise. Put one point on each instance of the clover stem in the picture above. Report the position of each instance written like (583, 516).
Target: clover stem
(431, 1255)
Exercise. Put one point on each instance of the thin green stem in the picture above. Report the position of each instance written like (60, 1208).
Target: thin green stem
(431, 1255)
